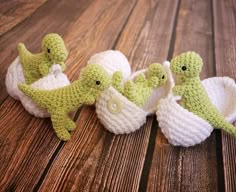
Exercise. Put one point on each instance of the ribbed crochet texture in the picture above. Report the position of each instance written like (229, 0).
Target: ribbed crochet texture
(112, 61)
(126, 117)
(14, 77)
(59, 102)
(187, 67)
(54, 80)
(183, 128)
(36, 66)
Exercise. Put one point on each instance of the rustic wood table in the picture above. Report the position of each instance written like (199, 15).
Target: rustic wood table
(32, 158)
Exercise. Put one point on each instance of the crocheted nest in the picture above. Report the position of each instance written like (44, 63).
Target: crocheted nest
(183, 128)
(15, 76)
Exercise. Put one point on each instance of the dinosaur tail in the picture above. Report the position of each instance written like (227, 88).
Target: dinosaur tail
(31, 92)
(218, 121)
(229, 128)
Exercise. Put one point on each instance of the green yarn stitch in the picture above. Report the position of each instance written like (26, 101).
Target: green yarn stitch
(139, 91)
(187, 66)
(36, 66)
(59, 102)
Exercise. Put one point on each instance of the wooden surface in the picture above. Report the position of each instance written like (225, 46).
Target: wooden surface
(146, 31)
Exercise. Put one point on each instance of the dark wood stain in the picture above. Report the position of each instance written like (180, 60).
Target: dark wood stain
(146, 31)
(225, 59)
(194, 168)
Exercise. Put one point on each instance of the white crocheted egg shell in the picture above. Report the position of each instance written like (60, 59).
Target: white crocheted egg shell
(14, 76)
(55, 79)
(222, 92)
(181, 127)
(112, 61)
(117, 113)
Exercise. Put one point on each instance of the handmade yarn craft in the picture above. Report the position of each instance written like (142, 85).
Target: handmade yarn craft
(187, 67)
(139, 90)
(59, 102)
(181, 123)
(36, 66)
(180, 126)
(50, 78)
(203, 103)
(116, 112)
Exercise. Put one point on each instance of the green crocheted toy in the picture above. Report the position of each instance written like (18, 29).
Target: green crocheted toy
(139, 91)
(187, 67)
(36, 66)
(59, 102)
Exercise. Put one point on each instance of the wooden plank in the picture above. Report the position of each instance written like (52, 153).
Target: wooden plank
(193, 168)
(14, 12)
(225, 59)
(26, 154)
(53, 16)
(31, 142)
(97, 160)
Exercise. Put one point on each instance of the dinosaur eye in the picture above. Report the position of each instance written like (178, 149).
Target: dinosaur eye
(184, 68)
(98, 82)
(48, 50)
(163, 77)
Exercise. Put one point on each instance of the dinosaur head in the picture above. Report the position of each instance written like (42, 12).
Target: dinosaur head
(157, 70)
(53, 45)
(94, 77)
(188, 64)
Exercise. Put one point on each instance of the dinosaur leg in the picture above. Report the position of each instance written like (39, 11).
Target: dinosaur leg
(59, 121)
(70, 125)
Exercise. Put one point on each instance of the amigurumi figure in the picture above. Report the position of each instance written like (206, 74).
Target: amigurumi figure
(36, 66)
(139, 90)
(187, 67)
(59, 102)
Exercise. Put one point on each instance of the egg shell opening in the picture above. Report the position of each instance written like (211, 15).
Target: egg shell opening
(183, 128)
(55, 79)
(122, 118)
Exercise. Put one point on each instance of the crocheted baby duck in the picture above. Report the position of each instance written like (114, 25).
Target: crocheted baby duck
(36, 66)
(187, 66)
(139, 90)
(59, 102)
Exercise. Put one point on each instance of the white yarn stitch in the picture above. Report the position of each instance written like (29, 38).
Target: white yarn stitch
(14, 76)
(129, 118)
(112, 61)
(183, 128)
(55, 79)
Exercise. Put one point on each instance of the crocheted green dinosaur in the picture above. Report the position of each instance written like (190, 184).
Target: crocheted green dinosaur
(187, 66)
(59, 102)
(37, 65)
(139, 90)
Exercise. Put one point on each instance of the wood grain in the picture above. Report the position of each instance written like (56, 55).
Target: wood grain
(40, 146)
(98, 160)
(193, 168)
(225, 59)
(53, 16)
(25, 146)
(13, 12)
